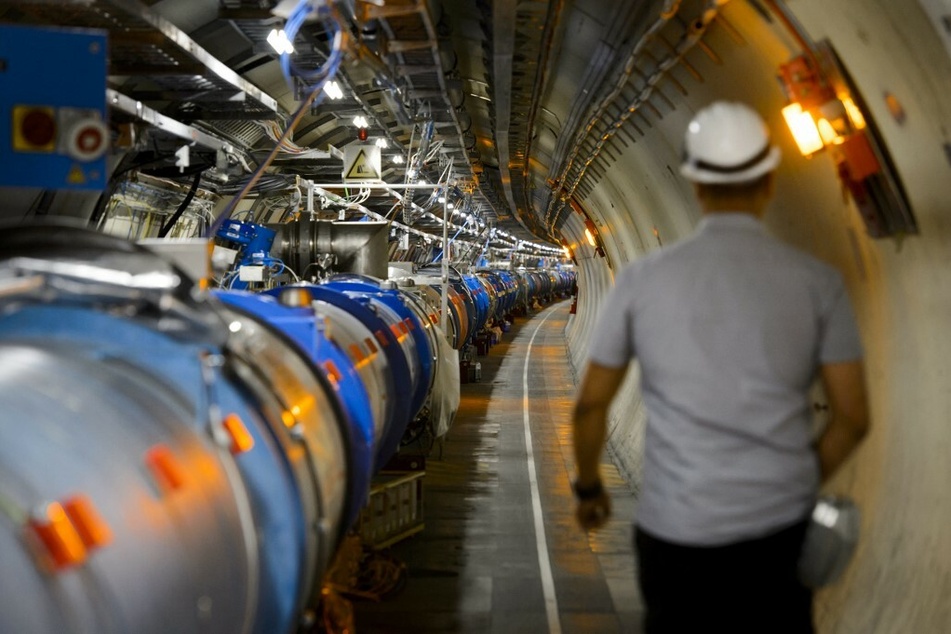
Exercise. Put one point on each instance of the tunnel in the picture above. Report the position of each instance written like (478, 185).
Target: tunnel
(351, 233)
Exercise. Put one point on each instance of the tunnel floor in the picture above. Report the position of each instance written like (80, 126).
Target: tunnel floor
(477, 566)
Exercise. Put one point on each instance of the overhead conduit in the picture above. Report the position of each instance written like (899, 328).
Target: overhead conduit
(575, 170)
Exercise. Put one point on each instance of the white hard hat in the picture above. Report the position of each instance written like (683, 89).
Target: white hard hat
(727, 143)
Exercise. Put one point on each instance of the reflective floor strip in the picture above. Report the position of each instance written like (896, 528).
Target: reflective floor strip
(544, 563)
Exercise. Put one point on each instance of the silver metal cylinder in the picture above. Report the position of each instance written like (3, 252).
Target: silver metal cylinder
(180, 547)
(340, 247)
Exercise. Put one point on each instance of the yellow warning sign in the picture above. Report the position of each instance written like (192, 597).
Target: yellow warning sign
(361, 163)
(76, 176)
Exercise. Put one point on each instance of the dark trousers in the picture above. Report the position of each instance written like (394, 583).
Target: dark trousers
(749, 587)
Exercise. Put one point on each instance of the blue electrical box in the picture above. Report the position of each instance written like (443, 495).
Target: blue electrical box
(53, 127)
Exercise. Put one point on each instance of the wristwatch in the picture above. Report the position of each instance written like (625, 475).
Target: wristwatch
(589, 492)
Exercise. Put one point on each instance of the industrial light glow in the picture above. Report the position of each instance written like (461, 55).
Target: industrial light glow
(590, 237)
(828, 133)
(279, 41)
(855, 115)
(360, 121)
(381, 143)
(803, 128)
(333, 90)
(398, 159)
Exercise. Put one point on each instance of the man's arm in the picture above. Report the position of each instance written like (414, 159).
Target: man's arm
(598, 388)
(844, 385)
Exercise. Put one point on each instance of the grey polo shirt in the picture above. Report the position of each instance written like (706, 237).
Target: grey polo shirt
(730, 327)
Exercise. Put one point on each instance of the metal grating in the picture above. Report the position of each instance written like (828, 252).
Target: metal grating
(151, 61)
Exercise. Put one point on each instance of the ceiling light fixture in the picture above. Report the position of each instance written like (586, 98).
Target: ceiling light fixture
(278, 40)
(333, 90)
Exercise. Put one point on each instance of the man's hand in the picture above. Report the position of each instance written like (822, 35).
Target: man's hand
(594, 513)
(589, 429)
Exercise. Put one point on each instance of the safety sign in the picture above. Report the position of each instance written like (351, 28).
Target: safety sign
(362, 163)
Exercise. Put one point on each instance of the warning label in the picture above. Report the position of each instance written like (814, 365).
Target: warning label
(361, 163)
(76, 176)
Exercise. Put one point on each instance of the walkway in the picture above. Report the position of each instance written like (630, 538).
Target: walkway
(477, 566)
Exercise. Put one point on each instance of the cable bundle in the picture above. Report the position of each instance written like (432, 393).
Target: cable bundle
(315, 80)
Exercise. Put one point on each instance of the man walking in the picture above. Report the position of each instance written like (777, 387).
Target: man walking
(730, 328)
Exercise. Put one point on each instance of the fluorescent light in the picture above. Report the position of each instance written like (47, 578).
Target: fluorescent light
(441, 199)
(398, 159)
(333, 90)
(360, 121)
(278, 40)
(381, 143)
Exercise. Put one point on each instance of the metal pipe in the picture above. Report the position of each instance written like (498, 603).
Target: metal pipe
(372, 185)
(444, 301)
(310, 199)
(693, 37)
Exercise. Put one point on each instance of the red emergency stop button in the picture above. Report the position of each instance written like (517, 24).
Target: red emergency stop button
(34, 129)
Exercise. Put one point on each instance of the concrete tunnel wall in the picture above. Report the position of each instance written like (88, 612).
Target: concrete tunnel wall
(900, 580)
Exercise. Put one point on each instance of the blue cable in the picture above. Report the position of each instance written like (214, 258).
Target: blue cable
(313, 98)
(451, 240)
(315, 79)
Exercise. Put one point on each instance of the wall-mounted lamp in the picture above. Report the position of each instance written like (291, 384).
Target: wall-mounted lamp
(804, 129)
(590, 236)
(594, 238)
(825, 113)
